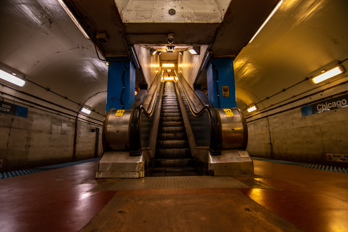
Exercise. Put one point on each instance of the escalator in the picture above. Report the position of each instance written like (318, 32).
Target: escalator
(172, 130)
(172, 156)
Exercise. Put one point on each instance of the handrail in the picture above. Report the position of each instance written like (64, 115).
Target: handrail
(215, 125)
(135, 142)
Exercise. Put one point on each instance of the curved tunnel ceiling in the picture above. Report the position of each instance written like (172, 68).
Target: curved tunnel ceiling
(302, 38)
(42, 43)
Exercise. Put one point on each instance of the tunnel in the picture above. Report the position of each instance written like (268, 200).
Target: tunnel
(210, 115)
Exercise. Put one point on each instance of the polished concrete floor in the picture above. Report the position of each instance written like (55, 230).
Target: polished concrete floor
(278, 197)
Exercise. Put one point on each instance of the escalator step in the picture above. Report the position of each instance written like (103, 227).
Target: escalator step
(172, 144)
(170, 107)
(171, 118)
(171, 123)
(172, 136)
(170, 111)
(172, 129)
(173, 153)
(170, 114)
(182, 162)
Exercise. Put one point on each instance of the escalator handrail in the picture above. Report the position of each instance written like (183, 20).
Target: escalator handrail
(215, 125)
(135, 142)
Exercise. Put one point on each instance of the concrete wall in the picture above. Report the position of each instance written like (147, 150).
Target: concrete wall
(44, 138)
(189, 64)
(149, 63)
(291, 136)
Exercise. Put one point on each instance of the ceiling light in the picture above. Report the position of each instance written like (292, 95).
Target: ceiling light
(268, 18)
(11, 78)
(169, 70)
(153, 52)
(328, 74)
(85, 110)
(252, 108)
(168, 65)
(61, 2)
(193, 52)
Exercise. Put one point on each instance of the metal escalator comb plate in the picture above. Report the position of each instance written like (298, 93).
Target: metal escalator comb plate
(228, 112)
(119, 113)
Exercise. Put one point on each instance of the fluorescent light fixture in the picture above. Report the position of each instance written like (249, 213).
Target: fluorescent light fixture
(252, 108)
(154, 65)
(266, 21)
(193, 52)
(167, 65)
(85, 110)
(11, 78)
(326, 75)
(61, 2)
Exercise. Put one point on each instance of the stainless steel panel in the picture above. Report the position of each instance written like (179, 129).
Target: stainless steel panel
(121, 164)
(231, 163)
(234, 130)
(116, 133)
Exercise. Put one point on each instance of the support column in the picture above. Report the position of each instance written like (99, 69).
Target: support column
(221, 84)
(121, 84)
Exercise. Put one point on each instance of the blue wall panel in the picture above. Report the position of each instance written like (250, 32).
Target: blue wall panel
(117, 71)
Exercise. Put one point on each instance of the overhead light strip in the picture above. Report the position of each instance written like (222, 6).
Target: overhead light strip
(85, 110)
(266, 21)
(61, 2)
(251, 109)
(329, 74)
(11, 78)
(193, 52)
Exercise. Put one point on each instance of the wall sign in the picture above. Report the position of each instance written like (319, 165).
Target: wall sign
(225, 91)
(342, 158)
(8, 108)
(327, 105)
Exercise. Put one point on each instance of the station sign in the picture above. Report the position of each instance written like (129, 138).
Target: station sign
(8, 108)
(327, 105)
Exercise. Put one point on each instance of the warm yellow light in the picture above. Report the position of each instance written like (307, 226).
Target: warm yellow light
(154, 65)
(268, 18)
(61, 2)
(169, 79)
(167, 65)
(169, 70)
(326, 75)
(251, 109)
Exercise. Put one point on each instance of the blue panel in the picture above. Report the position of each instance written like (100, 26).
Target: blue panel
(225, 69)
(221, 69)
(307, 110)
(21, 111)
(117, 71)
(211, 82)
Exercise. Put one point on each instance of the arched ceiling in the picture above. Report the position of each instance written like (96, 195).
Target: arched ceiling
(302, 38)
(39, 40)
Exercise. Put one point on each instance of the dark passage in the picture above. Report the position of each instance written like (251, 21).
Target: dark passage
(173, 157)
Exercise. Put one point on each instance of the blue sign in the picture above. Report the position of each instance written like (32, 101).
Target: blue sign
(327, 105)
(8, 108)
